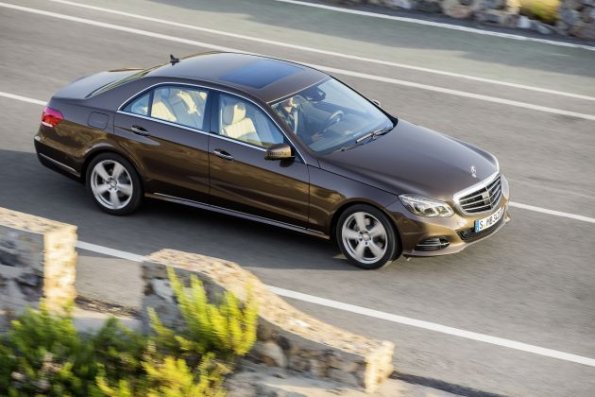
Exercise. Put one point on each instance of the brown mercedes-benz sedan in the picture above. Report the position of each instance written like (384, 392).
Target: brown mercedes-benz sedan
(275, 142)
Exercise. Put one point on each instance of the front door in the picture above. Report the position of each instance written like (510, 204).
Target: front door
(241, 178)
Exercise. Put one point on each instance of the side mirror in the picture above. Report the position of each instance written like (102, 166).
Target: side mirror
(376, 102)
(279, 151)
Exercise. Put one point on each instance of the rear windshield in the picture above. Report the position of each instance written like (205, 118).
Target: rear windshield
(117, 83)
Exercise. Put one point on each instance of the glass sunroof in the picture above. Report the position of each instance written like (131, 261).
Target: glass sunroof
(260, 73)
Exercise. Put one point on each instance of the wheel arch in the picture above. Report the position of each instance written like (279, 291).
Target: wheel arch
(93, 153)
(346, 205)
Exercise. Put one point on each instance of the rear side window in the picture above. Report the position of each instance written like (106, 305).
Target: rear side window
(177, 104)
(139, 105)
(181, 105)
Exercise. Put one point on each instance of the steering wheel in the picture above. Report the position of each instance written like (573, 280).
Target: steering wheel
(333, 119)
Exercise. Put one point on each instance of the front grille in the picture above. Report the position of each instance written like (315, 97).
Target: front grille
(483, 199)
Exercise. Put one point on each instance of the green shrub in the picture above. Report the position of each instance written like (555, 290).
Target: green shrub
(544, 10)
(171, 377)
(228, 328)
(43, 355)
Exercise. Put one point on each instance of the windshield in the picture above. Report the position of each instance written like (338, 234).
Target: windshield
(330, 116)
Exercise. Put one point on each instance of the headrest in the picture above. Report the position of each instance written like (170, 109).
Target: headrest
(234, 113)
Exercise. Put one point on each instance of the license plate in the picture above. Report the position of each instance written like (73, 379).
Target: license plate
(489, 221)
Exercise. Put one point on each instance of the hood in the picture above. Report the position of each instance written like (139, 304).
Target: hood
(414, 160)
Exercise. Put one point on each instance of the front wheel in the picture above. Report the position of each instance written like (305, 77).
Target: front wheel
(366, 237)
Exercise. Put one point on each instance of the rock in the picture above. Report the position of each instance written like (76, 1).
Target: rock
(498, 17)
(264, 332)
(162, 289)
(317, 368)
(454, 9)
(343, 377)
(513, 6)
(572, 4)
(542, 27)
(495, 4)
(588, 14)
(562, 28)
(583, 30)
(270, 354)
(406, 4)
(432, 6)
(569, 16)
(523, 22)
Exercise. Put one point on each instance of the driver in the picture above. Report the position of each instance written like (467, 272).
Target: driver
(288, 110)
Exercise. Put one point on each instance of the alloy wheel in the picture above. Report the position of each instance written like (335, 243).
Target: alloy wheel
(364, 237)
(111, 184)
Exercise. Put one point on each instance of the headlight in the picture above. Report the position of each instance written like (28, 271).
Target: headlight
(423, 206)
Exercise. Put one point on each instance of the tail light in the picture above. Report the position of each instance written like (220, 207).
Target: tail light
(51, 117)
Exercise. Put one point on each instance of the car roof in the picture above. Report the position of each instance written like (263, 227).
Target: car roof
(266, 78)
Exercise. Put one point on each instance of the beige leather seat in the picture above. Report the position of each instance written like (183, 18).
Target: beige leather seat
(160, 108)
(184, 108)
(180, 106)
(236, 125)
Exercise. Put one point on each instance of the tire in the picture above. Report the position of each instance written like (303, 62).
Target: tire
(376, 246)
(114, 184)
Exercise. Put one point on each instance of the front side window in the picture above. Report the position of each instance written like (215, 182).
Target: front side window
(180, 105)
(330, 116)
(241, 120)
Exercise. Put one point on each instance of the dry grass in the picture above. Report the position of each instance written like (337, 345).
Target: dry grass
(544, 10)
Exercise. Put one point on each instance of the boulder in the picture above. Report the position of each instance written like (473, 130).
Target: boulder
(454, 9)
(270, 354)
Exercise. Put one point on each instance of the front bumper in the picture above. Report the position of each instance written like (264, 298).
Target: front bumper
(423, 236)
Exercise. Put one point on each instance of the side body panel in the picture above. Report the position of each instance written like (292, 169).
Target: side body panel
(330, 193)
(272, 189)
(174, 160)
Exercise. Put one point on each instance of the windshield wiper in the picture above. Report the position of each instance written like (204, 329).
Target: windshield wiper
(373, 134)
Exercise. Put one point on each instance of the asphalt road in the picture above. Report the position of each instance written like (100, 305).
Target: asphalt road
(533, 282)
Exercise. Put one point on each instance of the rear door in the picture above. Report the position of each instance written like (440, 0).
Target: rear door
(241, 178)
(165, 131)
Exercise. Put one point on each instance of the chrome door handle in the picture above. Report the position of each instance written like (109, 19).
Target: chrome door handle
(137, 129)
(223, 154)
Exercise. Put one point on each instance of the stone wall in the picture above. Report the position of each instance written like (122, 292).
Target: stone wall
(287, 338)
(575, 17)
(37, 260)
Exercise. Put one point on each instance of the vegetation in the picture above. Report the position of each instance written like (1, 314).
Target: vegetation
(544, 10)
(44, 355)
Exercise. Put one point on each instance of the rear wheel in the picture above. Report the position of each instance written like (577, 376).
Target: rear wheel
(114, 184)
(366, 237)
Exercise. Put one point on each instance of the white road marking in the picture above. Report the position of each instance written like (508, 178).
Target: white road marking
(443, 329)
(110, 251)
(512, 204)
(449, 91)
(552, 212)
(439, 25)
(324, 68)
(325, 52)
(22, 98)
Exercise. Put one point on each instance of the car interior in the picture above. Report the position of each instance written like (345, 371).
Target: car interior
(245, 122)
(179, 105)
